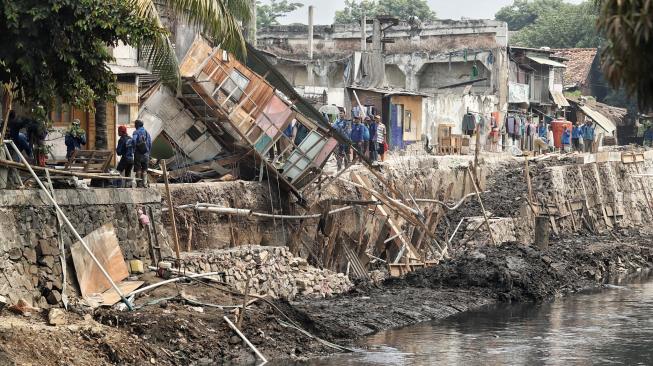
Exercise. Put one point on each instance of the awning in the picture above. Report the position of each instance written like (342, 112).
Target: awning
(559, 98)
(546, 61)
(600, 119)
(126, 70)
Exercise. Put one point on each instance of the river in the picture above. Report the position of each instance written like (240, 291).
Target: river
(611, 326)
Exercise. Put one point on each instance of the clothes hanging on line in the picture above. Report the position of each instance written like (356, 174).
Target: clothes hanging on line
(469, 124)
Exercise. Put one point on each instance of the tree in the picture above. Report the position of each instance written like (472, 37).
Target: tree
(59, 48)
(402, 9)
(269, 14)
(569, 26)
(627, 58)
(523, 13)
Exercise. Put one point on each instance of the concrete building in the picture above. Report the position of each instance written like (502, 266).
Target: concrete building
(451, 66)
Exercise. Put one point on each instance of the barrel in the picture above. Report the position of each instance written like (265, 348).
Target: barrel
(558, 127)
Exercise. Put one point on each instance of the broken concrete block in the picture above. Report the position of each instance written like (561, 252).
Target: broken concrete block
(56, 317)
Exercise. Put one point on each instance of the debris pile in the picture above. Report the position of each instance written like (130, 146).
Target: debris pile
(271, 271)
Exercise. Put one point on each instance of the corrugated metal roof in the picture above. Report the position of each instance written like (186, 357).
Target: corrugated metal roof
(559, 98)
(600, 119)
(546, 61)
(122, 70)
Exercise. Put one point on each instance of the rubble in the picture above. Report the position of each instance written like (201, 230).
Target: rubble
(272, 271)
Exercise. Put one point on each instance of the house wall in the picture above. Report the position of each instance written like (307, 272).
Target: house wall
(412, 104)
(450, 108)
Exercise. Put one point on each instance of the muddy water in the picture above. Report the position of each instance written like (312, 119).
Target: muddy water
(610, 326)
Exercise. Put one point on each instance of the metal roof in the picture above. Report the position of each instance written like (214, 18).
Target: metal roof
(559, 98)
(546, 61)
(600, 119)
(124, 70)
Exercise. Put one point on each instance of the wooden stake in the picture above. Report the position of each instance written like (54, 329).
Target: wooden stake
(480, 201)
(245, 299)
(530, 185)
(171, 211)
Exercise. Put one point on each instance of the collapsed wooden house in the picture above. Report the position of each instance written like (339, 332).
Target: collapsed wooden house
(228, 112)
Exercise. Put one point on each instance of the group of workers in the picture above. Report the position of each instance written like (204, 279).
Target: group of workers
(580, 138)
(367, 135)
(134, 151)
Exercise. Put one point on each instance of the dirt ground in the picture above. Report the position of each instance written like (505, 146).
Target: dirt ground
(170, 331)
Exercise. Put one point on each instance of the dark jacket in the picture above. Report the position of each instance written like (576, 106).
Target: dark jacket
(141, 136)
(125, 148)
(74, 141)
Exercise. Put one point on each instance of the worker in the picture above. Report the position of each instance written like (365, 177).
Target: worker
(74, 139)
(142, 148)
(648, 136)
(125, 150)
(15, 124)
(550, 139)
(343, 126)
(356, 137)
(372, 144)
(366, 137)
(380, 137)
(566, 140)
(588, 136)
(576, 135)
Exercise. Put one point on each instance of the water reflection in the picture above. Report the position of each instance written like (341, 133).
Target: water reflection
(613, 326)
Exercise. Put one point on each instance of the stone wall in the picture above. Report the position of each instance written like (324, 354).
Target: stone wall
(272, 271)
(30, 265)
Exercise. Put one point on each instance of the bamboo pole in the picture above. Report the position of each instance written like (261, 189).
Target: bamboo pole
(171, 210)
(480, 201)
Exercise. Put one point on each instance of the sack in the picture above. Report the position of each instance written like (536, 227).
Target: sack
(141, 145)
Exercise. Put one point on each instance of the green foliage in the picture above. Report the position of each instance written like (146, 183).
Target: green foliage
(269, 14)
(402, 9)
(523, 13)
(568, 26)
(59, 47)
(628, 55)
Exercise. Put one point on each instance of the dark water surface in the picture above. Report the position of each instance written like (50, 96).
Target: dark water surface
(611, 326)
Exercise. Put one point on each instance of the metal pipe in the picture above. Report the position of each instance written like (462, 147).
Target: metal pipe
(69, 224)
(310, 32)
(242, 336)
(177, 279)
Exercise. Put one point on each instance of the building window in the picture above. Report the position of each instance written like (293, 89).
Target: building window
(124, 117)
(62, 113)
(193, 133)
(235, 85)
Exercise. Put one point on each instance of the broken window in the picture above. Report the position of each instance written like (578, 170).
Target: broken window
(124, 117)
(235, 85)
(193, 133)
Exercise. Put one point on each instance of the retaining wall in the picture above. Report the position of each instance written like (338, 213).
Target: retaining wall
(30, 265)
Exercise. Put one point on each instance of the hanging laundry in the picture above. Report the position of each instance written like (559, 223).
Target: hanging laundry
(469, 124)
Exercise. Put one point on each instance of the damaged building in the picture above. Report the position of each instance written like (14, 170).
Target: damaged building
(424, 75)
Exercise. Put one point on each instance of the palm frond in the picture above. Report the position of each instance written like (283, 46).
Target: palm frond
(216, 19)
(158, 53)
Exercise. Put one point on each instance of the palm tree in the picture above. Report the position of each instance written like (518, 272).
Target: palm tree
(217, 20)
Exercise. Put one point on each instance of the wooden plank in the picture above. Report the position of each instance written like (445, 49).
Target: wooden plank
(110, 297)
(395, 229)
(103, 243)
